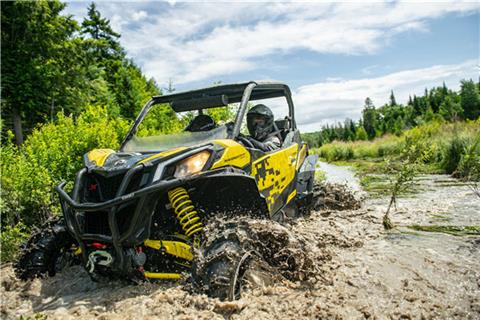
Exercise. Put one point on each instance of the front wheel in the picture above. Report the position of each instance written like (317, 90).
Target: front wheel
(224, 268)
(46, 252)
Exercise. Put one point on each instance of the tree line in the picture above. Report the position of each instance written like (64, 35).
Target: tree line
(51, 63)
(438, 103)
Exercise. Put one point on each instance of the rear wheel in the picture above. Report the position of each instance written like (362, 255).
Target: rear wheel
(47, 251)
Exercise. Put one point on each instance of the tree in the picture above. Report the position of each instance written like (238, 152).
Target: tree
(393, 102)
(103, 43)
(450, 109)
(360, 133)
(470, 99)
(126, 83)
(369, 118)
(40, 63)
(171, 87)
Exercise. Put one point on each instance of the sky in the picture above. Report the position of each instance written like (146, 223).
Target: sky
(332, 54)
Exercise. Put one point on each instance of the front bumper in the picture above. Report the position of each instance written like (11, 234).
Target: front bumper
(140, 205)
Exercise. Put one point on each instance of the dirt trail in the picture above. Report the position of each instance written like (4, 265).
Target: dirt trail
(354, 270)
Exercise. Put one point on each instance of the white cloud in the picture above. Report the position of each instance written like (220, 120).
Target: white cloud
(333, 101)
(138, 15)
(198, 41)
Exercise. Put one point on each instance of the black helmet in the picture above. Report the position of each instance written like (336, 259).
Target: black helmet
(260, 121)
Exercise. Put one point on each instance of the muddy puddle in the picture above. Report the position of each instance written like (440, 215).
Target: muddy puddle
(346, 267)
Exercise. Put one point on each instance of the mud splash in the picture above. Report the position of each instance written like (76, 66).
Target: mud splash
(333, 263)
(332, 196)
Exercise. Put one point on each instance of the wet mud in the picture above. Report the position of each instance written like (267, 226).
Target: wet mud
(336, 263)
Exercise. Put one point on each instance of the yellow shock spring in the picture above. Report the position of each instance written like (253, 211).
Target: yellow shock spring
(185, 211)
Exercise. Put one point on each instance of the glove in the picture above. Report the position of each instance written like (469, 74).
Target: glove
(257, 144)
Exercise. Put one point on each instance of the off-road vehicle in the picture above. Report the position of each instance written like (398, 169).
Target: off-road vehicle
(140, 212)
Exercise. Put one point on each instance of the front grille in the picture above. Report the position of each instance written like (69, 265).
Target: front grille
(124, 217)
(98, 188)
(96, 222)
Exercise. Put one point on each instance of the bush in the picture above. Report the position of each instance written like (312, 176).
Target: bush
(51, 154)
(452, 154)
(469, 165)
(449, 147)
(10, 240)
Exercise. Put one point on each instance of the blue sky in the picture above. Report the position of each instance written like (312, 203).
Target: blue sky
(332, 55)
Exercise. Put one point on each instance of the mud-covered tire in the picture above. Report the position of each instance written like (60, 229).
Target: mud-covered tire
(222, 262)
(44, 250)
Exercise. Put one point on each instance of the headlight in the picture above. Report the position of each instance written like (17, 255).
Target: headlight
(192, 164)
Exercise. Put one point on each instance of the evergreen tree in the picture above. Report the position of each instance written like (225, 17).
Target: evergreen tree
(470, 99)
(450, 110)
(369, 118)
(130, 89)
(103, 43)
(393, 102)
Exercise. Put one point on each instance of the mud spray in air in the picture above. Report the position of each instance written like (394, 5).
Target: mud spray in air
(336, 263)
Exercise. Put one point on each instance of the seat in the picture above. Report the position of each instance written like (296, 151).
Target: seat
(283, 126)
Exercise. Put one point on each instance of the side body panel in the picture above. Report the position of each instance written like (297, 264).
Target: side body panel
(275, 175)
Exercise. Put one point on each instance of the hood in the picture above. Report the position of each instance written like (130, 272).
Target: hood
(108, 162)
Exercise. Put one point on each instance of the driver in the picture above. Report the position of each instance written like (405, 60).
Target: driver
(261, 128)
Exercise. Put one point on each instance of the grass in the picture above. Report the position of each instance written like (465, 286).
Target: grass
(452, 230)
(320, 175)
(443, 147)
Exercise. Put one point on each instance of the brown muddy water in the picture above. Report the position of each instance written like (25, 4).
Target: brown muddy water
(341, 265)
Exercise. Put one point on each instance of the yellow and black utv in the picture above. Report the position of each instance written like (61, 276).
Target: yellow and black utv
(140, 212)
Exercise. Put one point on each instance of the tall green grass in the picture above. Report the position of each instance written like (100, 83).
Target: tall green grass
(446, 147)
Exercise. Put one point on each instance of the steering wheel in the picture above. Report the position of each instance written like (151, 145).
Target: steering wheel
(247, 143)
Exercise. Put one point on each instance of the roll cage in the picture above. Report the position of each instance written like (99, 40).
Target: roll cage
(220, 96)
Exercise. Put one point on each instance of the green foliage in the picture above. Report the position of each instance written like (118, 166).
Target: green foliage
(436, 105)
(401, 175)
(159, 120)
(320, 176)
(448, 147)
(450, 109)
(452, 154)
(41, 62)
(452, 230)
(360, 133)
(36, 316)
(51, 64)
(369, 117)
(469, 164)
(222, 114)
(103, 43)
(51, 154)
(10, 239)
(470, 99)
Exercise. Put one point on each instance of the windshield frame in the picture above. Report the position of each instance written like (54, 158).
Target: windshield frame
(241, 113)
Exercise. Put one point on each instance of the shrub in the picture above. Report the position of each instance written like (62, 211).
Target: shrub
(452, 154)
(51, 154)
(469, 165)
(448, 147)
(10, 240)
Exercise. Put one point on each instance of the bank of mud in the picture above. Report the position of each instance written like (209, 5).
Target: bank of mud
(341, 262)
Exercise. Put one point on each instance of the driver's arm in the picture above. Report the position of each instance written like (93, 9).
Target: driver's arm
(271, 144)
